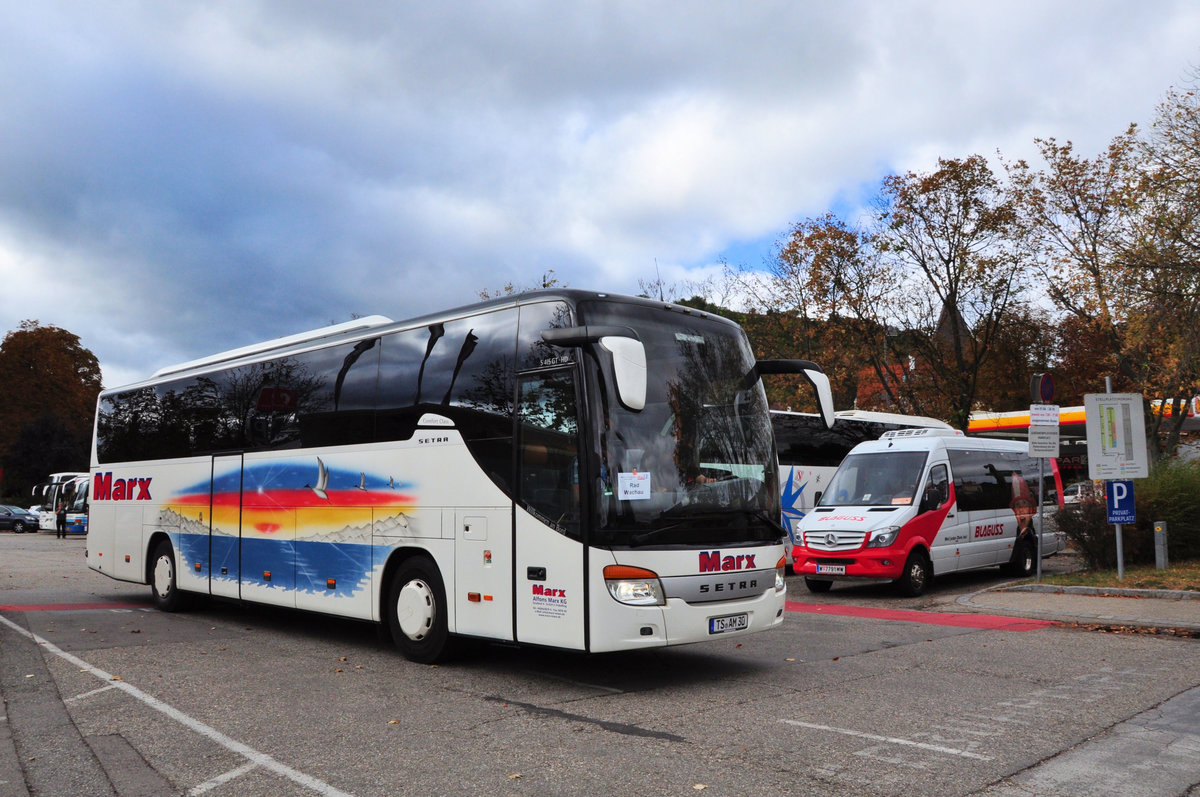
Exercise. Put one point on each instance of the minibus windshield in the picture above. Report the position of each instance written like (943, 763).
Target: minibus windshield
(887, 478)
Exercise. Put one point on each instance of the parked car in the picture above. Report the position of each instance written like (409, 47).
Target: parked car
(18, 520)
(1078, 491)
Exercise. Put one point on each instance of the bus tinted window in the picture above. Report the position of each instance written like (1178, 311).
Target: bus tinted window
(323, 397)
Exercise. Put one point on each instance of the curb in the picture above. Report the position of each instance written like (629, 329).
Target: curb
(1116, 592)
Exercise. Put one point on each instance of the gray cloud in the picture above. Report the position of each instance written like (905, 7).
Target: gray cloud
(176, 179)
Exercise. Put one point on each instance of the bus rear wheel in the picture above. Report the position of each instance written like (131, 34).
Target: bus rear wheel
(416, 612)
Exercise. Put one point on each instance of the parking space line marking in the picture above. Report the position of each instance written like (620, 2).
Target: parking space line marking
(890, 740)
(222, 779)
(212, 734)
(957, 619)
(89, 694)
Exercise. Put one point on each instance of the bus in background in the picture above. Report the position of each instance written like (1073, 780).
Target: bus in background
(809, 453)
(77, 506)
(560, 468)
(60, 486)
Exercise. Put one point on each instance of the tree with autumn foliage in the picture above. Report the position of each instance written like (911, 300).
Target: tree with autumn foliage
(48, 388)
(951, 280)
(1116, 240)
(797, 313)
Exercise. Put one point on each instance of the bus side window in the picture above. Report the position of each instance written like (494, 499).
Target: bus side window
(937, 489)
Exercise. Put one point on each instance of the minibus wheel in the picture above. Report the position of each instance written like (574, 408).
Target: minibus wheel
(416, 611)
(916, 576)
(817, 585)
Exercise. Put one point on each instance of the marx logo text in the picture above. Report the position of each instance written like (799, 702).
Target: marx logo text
(713, 562)
(106, 488)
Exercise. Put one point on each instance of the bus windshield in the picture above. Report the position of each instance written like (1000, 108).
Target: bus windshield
(697, 464)
(884, 479)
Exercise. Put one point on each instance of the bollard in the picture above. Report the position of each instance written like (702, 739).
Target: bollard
(1160, 544)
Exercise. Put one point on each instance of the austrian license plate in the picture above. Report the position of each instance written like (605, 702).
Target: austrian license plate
(833, 570)
(733, 622)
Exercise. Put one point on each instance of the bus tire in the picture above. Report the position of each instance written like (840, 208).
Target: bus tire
(817, 584)
(1023, 563)
(164, 578)
(916, 576)
(416, 611)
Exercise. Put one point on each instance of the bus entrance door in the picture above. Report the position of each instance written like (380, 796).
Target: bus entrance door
(225, 526)
(548, 582)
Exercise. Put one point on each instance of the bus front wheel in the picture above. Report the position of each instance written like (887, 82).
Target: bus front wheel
(417, 611)
(164, 586)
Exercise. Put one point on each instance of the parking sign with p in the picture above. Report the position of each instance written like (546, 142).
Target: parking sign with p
(1119, 496)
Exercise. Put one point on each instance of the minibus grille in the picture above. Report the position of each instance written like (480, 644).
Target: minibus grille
(826, 540)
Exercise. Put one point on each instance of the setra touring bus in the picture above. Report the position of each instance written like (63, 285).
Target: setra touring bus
(562, 468)
(62, 487)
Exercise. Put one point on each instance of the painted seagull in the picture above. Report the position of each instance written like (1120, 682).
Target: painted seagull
(322, 480)
(362, 482)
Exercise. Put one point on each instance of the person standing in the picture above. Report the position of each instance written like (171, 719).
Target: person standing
(60, 521)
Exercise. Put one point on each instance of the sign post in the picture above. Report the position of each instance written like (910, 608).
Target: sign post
(1116, 443)
(1043, 443)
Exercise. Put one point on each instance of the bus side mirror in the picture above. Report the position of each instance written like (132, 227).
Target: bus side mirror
(817, 497)
(629, 369)
(622, 355)
(810, 371)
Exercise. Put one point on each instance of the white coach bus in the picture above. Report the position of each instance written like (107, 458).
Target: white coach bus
(560, 468)
(47, 495)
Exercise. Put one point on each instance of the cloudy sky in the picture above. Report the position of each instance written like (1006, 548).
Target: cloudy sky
(179, 178)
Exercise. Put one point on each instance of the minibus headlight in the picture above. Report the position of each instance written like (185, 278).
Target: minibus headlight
(780, 570)
(884, 537)
(635, 586)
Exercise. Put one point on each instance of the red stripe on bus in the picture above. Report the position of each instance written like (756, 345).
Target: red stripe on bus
(985, 621)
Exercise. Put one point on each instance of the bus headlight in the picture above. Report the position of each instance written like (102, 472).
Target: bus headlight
(780, 571)
(635, 586)
(884, 537)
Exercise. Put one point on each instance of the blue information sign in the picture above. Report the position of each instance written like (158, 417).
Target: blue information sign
(1119, 495)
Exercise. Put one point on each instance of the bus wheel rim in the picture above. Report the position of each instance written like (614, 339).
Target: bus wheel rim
(415, 609)
(162, 575)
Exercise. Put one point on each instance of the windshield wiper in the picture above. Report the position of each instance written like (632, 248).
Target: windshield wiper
(706, 513)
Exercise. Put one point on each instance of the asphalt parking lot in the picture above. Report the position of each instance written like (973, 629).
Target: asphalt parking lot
(103, 695)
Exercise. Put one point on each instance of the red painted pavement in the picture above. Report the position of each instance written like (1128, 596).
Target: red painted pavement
(67, 607)
(987, 621)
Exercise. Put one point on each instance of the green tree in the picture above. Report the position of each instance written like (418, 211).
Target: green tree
(48, 388)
